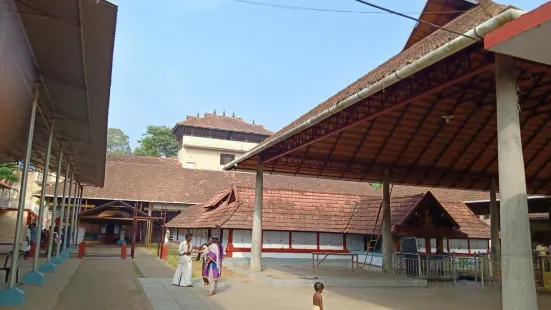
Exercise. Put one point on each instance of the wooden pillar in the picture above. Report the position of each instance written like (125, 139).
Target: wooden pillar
(387, 233)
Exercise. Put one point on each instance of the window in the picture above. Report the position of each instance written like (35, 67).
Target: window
(226, 158)
(190, 165)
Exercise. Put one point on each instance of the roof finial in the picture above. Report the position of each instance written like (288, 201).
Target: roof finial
(253, 121)
(224, 112)
(197, 113)
(214, 111)
(233, 114)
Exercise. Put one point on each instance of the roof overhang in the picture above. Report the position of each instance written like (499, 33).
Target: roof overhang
(536, 204)
(526, 37)
(66, 51)
(402, 124)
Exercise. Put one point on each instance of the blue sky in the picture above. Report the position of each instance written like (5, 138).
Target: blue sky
(178, 57)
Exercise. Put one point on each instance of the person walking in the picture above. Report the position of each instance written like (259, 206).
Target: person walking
(213, 265)
(182, 276)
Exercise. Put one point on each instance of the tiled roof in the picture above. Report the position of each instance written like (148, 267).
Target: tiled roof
(469, 223)
(151, 179)
(463, 23)
(442, 194)
(291, 210)
(222, 122)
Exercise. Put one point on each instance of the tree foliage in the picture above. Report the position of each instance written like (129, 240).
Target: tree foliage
(8, 171)
(117, 141)
(376, 186)
(157, 141)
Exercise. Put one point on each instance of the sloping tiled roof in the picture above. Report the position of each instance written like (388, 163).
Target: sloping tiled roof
(442, 194)
(463, 23)
(221, 122)
(295, 210)
(449, 10)
(469, 223)
(291, 210)
(151, 179)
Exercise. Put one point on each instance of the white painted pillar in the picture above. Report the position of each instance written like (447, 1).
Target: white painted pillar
(54, 206)
(388, 243)
(256, 244)
(43, 204)
(22, 195)
(67, 216)
(494, 220)
(518, 287)
(62, 212)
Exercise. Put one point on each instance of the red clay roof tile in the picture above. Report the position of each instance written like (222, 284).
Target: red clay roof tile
(213, 121)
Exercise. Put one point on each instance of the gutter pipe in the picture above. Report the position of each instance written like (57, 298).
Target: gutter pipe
(421, 63)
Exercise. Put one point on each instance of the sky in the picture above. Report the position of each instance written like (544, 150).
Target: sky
(175, 58)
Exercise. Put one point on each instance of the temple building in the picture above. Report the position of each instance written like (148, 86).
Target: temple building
(298, 222)
(212, 141)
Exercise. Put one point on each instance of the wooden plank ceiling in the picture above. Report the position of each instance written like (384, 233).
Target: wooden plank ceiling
(403, 128)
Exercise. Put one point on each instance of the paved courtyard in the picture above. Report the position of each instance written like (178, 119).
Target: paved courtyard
(145, 283)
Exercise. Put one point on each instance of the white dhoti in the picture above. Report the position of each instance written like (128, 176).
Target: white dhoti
(182, 276)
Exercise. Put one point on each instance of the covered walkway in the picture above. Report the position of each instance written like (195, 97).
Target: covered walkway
(56, 60)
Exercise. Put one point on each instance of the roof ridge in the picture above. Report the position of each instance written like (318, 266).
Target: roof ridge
(306, 191)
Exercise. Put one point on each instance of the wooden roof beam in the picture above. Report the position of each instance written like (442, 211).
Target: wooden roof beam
(357, 114)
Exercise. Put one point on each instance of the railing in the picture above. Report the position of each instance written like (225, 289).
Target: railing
(425, 266)
(8, 203)
(482, 267)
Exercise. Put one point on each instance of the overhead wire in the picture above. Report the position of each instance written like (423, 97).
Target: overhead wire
(414, 19)
(314, 9)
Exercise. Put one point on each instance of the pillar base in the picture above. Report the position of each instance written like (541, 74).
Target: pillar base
(47, 267)
(12, 297)
(58, 260)
(33, 278)
(64, 254)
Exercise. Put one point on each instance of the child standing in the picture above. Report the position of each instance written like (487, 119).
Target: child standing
(318, 301)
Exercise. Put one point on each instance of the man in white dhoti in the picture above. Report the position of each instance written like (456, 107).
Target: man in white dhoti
(182, 276)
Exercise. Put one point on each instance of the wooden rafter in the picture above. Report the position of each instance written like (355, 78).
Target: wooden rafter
(303, 156)
(315, 164)
(435, 80)
(358, 147)
(330, 153)
(450, 142)
(440, 126)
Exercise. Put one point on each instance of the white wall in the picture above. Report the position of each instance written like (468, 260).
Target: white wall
(330, 241)
(225, 234)
(460, 246)
(275, 239)
(355, 242)
(479, 246)
(242, 238)
(305, 240)
(204, 153)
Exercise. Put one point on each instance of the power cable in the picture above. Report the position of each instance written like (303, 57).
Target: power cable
(414, 19)
(302, 8)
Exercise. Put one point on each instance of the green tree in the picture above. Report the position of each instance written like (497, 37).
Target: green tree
(376, 186)
(157, 141)
(8, 171)
(117, 141)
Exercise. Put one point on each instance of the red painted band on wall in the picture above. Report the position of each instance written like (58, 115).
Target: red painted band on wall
(286, 250)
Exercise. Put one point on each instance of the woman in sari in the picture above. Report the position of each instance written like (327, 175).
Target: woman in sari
(213, 265)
